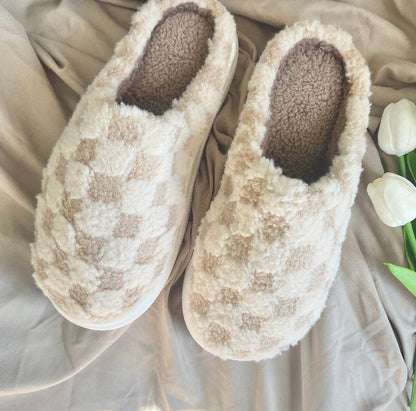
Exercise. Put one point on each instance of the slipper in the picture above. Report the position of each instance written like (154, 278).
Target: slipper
(269, 246)
(117, 188)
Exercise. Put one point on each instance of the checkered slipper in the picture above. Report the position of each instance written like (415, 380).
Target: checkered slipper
(269, 247)
(117, 189)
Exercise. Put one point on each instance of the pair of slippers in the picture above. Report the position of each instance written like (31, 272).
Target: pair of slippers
(117, 189)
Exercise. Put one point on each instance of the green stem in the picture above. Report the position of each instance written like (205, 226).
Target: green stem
(412, 404)
(402, 165)
(407, 228)
(411, 236)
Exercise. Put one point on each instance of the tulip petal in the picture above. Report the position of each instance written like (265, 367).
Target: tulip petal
(397, 131)
(394, 199)
(400, 197)
(384, 133)
(405, 276)
(379, 205)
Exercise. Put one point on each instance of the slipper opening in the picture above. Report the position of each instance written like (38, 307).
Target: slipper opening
(174, 54)
(307, 106)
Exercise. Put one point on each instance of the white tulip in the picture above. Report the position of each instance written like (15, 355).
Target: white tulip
(394, 199)
(397, 132)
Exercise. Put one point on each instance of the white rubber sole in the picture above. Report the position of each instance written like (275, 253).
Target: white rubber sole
(117, 322)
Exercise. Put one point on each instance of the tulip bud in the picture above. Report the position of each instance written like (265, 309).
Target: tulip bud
(394, 199)
(397, 132)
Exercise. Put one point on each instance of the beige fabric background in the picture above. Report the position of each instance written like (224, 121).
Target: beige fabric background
(359, 354)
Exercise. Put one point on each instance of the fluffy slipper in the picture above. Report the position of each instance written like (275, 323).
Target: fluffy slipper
(269, 247)
(117, 188)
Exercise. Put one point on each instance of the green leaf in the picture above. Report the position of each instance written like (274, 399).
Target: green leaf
(405, 276)
(411, 163)
(409, 252)
(414, 225)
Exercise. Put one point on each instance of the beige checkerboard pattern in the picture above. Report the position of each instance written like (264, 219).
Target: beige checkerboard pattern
(246, 282)
(269, 246)
(117, 188)
(91, 226)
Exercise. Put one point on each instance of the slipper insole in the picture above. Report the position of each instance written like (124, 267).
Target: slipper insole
(308, 100)
(176, 51)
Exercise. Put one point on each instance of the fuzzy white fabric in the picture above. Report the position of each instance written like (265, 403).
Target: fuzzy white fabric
(269, 247)
(117, 188)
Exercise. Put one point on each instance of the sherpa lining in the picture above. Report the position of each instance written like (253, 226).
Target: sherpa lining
(174, 54)
(307, 110)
